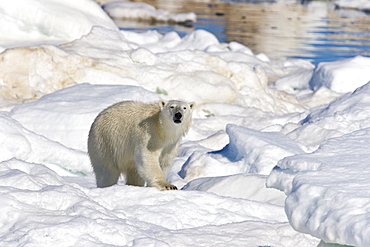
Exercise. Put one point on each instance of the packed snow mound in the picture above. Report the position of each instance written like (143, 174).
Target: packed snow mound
(20, 143)
(328, 188)
(55, 21)
(66, 115)
(248, 151)
(39, 207)
(191, 75)
(46, 68)
(145, 12)
(344, 115)
(329, 196)
(42, 70)
(342, 76)
(170, 42)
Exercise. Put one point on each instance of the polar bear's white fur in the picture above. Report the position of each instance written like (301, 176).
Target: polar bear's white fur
(139, 140)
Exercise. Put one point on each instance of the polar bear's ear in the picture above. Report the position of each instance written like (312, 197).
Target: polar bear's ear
(162, 103)
(192, 105)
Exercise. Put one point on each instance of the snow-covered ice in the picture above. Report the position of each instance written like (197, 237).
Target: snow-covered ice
(330, 199)
(276, 156)
(68, 124)
(353, 4)
(342, 76)
(41, 208)
(30, 22)
(145, 12)
(328, 189)
(18, 142)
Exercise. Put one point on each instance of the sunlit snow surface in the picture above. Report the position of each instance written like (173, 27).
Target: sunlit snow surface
(353, 4)
(54, 21)
(145, 12)
(277, 154)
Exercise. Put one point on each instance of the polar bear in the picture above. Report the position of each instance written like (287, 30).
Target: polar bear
(139, 140)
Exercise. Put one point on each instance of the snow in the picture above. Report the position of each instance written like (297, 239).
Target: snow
(330, 184)
(30, 22)
(329, 195)
(336, 76)
(145, 12)
(238, 156)
(276, 156)
(363, 5)
(54, 211)
(68, 124)
(344, 115)
(18, 142)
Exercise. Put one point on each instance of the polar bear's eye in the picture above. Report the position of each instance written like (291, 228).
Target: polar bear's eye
(172, 107)
(184, 107)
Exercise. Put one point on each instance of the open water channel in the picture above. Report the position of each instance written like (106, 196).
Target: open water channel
(313, 30)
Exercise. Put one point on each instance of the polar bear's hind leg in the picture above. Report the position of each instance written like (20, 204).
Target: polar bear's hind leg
(106, 176)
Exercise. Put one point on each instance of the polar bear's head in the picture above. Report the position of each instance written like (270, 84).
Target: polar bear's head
(177, 112)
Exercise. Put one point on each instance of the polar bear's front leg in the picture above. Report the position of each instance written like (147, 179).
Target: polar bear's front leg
(150, 170)
(163, 185)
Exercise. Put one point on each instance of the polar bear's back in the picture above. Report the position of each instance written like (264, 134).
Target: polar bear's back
(115, 129)
(127, 113)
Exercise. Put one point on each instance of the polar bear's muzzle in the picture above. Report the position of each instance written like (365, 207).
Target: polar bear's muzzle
(177, 118)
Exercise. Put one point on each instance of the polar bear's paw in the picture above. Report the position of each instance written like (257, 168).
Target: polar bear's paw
(165, 186)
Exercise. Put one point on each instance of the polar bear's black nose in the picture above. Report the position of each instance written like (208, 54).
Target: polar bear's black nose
(178, 115)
